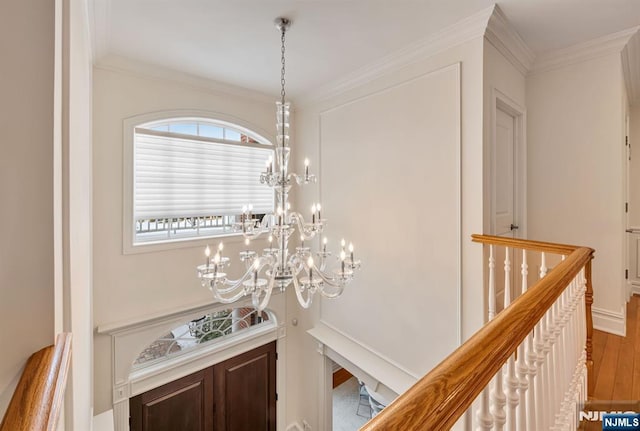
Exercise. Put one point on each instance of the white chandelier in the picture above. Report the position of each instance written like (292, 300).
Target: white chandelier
(279, 267)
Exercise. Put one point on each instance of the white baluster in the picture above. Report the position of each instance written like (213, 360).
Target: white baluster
(511, 382)
(547, 366)
(550, 364)
(543, 264)
(499, 401)
(524, 421)
(484, 416)
(498, 398)
(492, 284)
(541, 377)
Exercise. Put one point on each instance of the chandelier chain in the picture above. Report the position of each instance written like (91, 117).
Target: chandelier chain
(282, 61)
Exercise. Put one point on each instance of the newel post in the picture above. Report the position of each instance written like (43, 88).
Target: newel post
(588, 300)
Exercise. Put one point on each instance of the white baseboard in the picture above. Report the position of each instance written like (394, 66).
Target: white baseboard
(609, 321)
(635, 289)
(294, 427)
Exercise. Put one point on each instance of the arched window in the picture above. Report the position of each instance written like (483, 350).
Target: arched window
(192, 177)
(210, 328)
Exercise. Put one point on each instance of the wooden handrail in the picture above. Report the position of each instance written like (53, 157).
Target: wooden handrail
(526, 244)
(441, 397)
(37, 400)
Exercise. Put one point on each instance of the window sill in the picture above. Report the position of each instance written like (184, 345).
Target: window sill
(178, 243)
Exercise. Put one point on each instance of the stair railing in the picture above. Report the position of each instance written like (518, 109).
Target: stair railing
(530, 366)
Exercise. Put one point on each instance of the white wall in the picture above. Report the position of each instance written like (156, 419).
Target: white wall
(359, 159)
(575, 166)
(26, 175)
(136, 285)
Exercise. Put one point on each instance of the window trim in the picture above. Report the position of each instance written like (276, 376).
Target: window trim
(128, 130)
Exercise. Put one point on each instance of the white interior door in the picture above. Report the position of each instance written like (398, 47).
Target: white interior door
(505, 174)
(504, 197)
(632, 213)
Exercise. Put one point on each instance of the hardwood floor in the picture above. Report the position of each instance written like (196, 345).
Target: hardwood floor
(616, 360)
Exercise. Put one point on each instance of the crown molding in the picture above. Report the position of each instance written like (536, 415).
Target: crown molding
(463, 31)
(508, 42)
(611, 43)
(128, 66)
(631, 68)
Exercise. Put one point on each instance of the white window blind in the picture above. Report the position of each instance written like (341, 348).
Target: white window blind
(180, 177)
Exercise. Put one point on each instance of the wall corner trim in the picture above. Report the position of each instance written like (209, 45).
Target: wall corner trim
(608, 44)
(631, 67)
(505, 39)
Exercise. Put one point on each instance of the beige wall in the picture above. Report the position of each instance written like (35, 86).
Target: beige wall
(26, 175)
(382, 249)
(137, 285)
(575, 166)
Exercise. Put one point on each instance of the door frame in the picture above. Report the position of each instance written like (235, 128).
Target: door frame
(501, 101)
(628, 237)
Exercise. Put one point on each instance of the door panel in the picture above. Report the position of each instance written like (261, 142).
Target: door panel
(504, 155)
(184, 404)
(505, 200)
(245, 391)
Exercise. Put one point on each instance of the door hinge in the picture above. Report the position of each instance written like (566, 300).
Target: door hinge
(276, 396)
(626, 274)
(276, 356)
(626, 207)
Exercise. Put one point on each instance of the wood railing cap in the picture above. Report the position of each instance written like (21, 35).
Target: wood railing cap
(37, 400)
(527, 244)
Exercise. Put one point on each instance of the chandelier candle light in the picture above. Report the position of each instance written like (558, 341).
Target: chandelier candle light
(279, 267)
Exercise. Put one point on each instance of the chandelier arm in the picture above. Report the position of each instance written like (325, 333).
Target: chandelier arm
(234, 284)
(224, 299)
(305, 303)
(251, 236)
(331, 295)
(333, 281)
(267, 295)
(302, 180)
(307, 232)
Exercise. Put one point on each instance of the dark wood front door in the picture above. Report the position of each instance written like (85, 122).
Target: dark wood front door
(236, 395)
(184, 404)
(245, 391)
